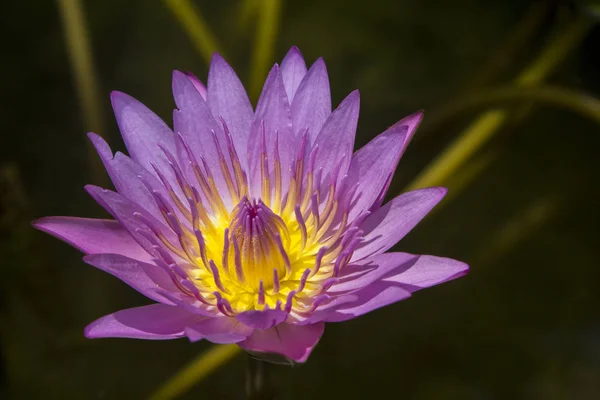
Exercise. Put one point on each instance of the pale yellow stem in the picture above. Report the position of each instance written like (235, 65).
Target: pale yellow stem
(484, 127)
(84, 74)
(193, 22)
(266, 34)
(195, 371)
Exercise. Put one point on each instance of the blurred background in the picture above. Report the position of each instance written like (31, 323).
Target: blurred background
(511, 127)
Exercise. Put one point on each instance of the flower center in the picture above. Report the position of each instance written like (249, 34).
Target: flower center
(281, 250)
(260, 239)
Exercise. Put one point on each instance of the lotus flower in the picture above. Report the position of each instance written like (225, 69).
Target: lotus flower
(253, 227)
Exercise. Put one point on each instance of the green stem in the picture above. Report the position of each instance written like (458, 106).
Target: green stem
(573, 100)
(79, 51)
(266, 34)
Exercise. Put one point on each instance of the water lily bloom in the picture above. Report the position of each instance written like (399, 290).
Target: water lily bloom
(253, 226)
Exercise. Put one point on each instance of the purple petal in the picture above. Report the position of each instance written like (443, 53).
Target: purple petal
(197, 84)
(227, 99)
(413, 271)
(292, 341)
(374, 296)
(131, 216)
(312, 102)
(336, 139)
(189, 303)
(220, 330)
(93, 236)
(389, 224)
(143, 131)
(373, 165)
(143, 277)
(426, 272)
(329, 305)
(293, 69)
(264, 319)
(156, 321)
(272, 110)
(196, 123)
(128, 176)
(360, 274)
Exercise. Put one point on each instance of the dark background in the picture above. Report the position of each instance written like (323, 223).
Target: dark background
(525, 322)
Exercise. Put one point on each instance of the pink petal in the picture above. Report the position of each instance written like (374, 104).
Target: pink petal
(374, 296)
(360, 274)
(126, 212)
(156, 322)
(386, 226)
(264, 319)
(426, 272)
(197, 84)
(227, 99)
(312, 102)
(336, 139)
(413, 271)
(220, 330)
(293, 69)
(373, 165)
(93, 236)
(143, 277)
(292, 341)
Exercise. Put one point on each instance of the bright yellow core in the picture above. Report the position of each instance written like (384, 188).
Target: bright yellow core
(280, 250)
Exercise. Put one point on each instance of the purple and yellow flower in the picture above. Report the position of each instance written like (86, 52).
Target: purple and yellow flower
(253, 227)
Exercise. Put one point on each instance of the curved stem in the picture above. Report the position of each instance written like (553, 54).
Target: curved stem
(79, 51)
(484, 127)
(578, 102)
(195, 371)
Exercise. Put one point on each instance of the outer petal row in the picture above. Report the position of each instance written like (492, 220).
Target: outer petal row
(372, 167)
(159, 321)
(390, 223)
(93, 236)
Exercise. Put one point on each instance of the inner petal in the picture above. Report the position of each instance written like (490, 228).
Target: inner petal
(259, 239)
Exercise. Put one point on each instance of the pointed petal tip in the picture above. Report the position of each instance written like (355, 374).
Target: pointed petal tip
(354, 95)
(190, 75)
(118, 98)
(294, 58)
(101, 146)
(318, 67)
(177, 74)
(275, 69)
(217, 61)
(413, 119)
(416, 116)
(438, 192)
(41, 224)
(465, 270)
(94, 136)
(319, 62)
(216, 57)
(441, 190)
(88, 332)
(295, 50)
(352, 101)
(93, 189)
